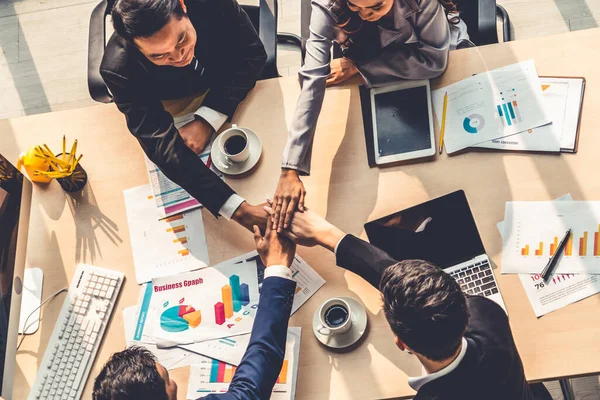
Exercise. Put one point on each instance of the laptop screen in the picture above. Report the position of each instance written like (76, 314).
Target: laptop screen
(441, 231)
(11, 186)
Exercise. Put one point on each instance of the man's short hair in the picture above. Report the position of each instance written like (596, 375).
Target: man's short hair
(143, 18)
(130, 374)
(425, 308)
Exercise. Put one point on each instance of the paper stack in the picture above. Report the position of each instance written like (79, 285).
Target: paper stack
(511, 108)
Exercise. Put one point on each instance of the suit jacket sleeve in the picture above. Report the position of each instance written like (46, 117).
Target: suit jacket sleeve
(155, 130)
(363, 259)
(246, 58)
(297, 153)
(257, 373)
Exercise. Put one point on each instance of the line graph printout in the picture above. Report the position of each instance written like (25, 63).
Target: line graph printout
(533, 231)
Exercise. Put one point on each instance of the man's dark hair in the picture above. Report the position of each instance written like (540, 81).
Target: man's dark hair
(143, 18)
(130, 374)
(425, 308)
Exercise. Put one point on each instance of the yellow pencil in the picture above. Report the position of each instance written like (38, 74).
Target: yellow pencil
(72, 153)
(443, 128)
(77, 162)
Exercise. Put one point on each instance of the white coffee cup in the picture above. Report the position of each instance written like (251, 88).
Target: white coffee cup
(335, 317)
(238, 156)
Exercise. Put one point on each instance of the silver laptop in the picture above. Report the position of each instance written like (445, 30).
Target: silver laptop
(443, 232)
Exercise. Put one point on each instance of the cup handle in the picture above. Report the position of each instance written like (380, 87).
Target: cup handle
(323, 331)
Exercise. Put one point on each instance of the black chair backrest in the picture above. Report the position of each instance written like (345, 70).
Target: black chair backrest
(480, 18)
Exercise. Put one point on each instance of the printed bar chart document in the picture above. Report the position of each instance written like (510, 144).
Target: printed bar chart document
(533, 231)
(213, 376)
(561, 290)
(171, 198)
(491, 105)
(199, 305)
(163, 247)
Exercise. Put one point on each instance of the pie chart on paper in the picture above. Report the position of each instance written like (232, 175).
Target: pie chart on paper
(180, 318)
(474, 123)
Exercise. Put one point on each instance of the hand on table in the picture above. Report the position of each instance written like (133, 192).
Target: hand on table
(341, 69)
(274, 249)
(310, 229)
(289, 195)
(196, 134)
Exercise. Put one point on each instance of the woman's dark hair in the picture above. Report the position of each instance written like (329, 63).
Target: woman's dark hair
(130, 374)
(143, 18)
(361, 33)
(425, 308)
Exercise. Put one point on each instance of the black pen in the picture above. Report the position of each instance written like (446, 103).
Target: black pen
(549, 269)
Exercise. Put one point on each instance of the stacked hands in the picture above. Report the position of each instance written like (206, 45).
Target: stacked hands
(306, 228)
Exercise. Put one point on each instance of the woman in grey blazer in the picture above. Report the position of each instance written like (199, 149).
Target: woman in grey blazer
(384, 41)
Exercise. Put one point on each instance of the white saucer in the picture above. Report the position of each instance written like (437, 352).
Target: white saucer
(233, 168)
(341, 341)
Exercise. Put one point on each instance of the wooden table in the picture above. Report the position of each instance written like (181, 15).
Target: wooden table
(92, 227)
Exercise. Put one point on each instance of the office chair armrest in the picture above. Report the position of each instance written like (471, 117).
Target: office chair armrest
(96, 43)
(501, 12)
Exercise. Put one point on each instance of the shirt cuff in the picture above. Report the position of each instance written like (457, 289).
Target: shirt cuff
(230, 206)
(280, 271)
(338, 245)
(214, 118)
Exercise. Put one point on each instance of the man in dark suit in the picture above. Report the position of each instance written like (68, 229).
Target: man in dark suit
(135, 374)
(168, 49)
(464, 344)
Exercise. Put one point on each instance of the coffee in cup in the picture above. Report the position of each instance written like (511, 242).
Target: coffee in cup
(334, 317)
(233, 145)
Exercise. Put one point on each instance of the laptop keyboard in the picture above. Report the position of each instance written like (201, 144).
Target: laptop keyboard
(476, 279)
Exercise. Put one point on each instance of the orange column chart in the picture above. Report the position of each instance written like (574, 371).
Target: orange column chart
(583, 244)
(525, 251)
(554, 246)
(227, 295)
(569, 246)
(540, 249)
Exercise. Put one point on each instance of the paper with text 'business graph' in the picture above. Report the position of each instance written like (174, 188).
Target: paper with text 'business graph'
(533, 230)
(210, 303)
(491, 105)
(163, 247)
(231, 350)
(213, 376)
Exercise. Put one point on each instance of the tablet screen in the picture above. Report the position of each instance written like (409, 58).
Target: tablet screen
(402, 119)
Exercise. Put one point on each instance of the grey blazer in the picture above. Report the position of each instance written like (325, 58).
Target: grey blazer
(414, 44)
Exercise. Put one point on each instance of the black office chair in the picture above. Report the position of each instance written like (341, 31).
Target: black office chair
(479, 16)
(263, 17)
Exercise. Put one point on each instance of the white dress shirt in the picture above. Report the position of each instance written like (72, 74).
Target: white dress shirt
(280, 271)
(417, 382)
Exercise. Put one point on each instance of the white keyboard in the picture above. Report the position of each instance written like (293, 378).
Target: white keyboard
(77, 333)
